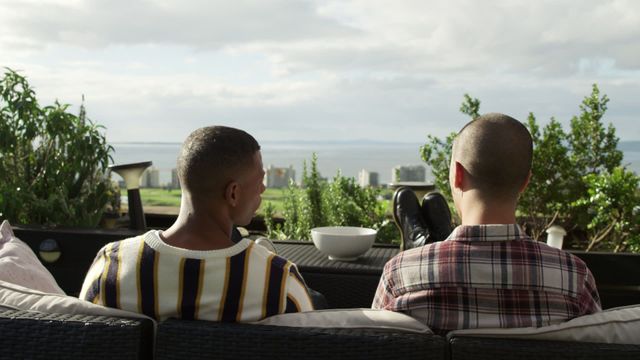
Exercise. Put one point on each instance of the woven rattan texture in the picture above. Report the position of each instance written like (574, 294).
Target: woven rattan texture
(463, 348)
(345, 284)
(34, 335)
(207, 340)
(343, 290)
(308, 258)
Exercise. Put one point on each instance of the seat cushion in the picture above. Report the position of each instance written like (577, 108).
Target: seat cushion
(613, 326)
(17, 297)
(19, 265)
(349, 318)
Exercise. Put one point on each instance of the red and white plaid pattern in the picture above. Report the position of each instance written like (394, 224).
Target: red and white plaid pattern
(487, 276)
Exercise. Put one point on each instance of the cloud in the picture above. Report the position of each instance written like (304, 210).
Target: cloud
(304, 69)
(198, 24)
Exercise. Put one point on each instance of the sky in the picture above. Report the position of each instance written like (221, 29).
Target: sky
(154, 70)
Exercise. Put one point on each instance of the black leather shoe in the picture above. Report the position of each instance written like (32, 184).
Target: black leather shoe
(437, 216)
(408, 217)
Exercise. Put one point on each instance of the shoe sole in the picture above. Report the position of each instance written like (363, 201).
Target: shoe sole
(445, 207)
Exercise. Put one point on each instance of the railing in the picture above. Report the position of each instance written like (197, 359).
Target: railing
(344, 284)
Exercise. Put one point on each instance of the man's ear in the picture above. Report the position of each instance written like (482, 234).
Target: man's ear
(458, 175)
(231, 193)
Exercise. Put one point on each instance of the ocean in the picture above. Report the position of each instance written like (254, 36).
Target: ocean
(348, 157)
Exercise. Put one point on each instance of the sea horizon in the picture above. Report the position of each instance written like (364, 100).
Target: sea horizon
(348, 157)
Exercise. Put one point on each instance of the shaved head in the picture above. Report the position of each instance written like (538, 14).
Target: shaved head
(496, 150)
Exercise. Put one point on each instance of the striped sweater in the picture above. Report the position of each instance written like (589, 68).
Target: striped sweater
(242, 283)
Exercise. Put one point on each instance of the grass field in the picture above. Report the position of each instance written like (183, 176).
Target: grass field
(164, 197)
(171, 198)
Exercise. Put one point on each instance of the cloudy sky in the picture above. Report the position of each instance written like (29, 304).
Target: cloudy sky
(154, 70)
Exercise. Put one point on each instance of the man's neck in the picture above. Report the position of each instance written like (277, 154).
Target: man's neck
(477, 212)
(198, 229)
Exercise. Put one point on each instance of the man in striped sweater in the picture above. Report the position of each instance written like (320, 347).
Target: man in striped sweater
(194, 270)
(488, 272)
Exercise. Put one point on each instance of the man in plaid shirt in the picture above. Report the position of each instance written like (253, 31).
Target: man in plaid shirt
(488, 272)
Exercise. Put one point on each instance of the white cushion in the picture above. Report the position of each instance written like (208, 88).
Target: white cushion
(20, 298)
(613, 326)
(349, 318)
(19, 265)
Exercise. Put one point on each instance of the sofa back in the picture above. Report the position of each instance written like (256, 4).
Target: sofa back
(36, 335)
(180, 339)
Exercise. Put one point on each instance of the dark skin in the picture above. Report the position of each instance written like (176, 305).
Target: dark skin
(206, 222)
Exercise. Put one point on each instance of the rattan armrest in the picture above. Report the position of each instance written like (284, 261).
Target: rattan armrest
(37, 335)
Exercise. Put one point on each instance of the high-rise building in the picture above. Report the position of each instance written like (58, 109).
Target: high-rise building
(277, 177)
(367, 178)
(408, 173)
(150, 178)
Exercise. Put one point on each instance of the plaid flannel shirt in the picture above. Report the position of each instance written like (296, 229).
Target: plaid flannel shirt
(487, 276)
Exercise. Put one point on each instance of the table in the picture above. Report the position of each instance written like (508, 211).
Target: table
(345, 284)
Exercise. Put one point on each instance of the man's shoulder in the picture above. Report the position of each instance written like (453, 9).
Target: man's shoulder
(260, 253)
(114, 245)
(561, 255)
(418, 254)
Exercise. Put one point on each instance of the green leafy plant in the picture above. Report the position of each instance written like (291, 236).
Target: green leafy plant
(340, 202)
(545, 199)
(577, 179)
(54, 163)
(613, 206)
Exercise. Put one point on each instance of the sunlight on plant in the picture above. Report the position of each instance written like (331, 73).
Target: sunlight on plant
(577, 180)
(340, 202)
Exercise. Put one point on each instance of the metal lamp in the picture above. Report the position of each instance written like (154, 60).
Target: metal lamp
(131, 174)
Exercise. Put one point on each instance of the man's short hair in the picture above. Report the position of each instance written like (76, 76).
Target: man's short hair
(497, 151)
(213, 156)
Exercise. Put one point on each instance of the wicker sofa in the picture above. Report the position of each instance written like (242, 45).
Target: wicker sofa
(39, 331)
(34, 335)
(38, 335)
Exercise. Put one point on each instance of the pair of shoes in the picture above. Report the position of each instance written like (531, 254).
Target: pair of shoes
(420, 224)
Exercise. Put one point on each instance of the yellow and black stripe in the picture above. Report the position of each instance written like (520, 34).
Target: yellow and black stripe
(275, 285)
(94, 289)
(148, 281)
(235, 278)
(245, 273)
(111, 280)
(191, 277)
(292, 305)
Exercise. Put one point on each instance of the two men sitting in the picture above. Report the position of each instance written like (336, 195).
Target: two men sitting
(486, 273)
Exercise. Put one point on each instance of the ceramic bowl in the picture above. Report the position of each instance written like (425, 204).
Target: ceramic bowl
(344, 243)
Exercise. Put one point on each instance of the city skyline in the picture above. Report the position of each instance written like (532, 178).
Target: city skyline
(323, 70)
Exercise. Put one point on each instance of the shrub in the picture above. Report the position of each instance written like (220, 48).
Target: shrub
(338, 203)
(577, 179)
(53, 163)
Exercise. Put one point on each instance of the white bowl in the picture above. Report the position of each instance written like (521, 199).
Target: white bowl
(344, 243)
